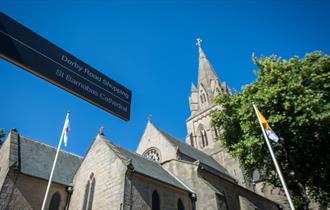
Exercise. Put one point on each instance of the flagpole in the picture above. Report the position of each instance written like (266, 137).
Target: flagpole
(54, 164)
(275, 161)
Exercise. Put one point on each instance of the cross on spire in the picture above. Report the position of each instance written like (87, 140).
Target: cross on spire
(150, 118)
(199, 42)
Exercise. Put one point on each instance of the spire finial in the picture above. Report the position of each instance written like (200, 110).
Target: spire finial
(199, 42)
(101, 131)
(150, 118)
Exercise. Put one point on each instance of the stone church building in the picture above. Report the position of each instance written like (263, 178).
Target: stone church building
(164, 173)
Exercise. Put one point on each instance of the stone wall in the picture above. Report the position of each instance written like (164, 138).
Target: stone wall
(25, 192)
(214, 148)
(193, 122)
(220, 154)
(275, 194)
(141, 189)
(4, 159)
(187, 172)
(210, 188)
(109, 174)
(233, 191)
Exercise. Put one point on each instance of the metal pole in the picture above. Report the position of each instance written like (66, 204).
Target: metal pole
(275, 161)
(54, 164)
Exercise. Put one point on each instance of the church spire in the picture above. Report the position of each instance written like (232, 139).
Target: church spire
(205, 71)
(208, 86)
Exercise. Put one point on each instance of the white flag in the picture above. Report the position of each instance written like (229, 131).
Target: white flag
(66, 129)
(270, 133)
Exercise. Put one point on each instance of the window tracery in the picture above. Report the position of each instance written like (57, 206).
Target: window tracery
(89, 193)
(152, 154)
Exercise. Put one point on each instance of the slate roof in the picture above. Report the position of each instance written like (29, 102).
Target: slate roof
(37, 160)
(147, 167)
(194, 153)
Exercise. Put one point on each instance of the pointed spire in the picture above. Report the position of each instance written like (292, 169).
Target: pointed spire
(205, 70)
(150, 118)
(193, 88)
(200, 50)
(101, 131)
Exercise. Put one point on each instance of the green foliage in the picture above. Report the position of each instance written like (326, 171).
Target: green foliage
(298, 202)
(294, 96)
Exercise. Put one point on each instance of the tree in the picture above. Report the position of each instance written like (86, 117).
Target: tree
(294, 95)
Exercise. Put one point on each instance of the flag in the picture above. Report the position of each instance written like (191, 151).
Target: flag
(270, 133)
(66, 129)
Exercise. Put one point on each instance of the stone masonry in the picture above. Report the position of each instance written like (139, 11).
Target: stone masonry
(109, 173)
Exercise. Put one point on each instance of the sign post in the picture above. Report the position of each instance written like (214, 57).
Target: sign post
(23, 47)
(28, 50)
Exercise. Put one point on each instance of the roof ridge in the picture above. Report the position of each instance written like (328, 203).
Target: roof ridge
(50, 146)
(131, 152)
(181, 142)
(126, 155)
(114, 148)
(180, 181)
(134, 153)
(201, 156)
(182, 161)
(164, 132)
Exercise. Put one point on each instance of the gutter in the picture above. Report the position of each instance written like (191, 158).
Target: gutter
(132, 170)
(216, 172)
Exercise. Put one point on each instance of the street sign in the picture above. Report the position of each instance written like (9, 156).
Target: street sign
(30, 51)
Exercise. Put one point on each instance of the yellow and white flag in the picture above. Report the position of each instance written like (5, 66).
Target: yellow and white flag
(270, 133)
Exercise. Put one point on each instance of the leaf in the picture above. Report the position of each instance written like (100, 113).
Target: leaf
(294, 95)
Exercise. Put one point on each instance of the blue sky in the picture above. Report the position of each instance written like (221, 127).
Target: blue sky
(149, 47)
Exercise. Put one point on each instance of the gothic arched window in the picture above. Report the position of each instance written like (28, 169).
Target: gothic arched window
(152, 154)
(202, 140)
(202, 137)
(155, 201)
(180, 205)
(205, 138)
(55, 201)
(204, 97)
(89, 193)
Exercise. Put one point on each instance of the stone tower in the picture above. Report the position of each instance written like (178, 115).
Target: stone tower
(201, 134)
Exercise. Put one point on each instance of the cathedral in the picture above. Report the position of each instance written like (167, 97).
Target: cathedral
(164, 173)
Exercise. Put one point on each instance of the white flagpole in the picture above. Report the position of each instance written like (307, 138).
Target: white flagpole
(275, 161)
(54, 164)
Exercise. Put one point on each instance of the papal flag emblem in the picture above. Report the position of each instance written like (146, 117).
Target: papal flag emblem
(270, 133)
